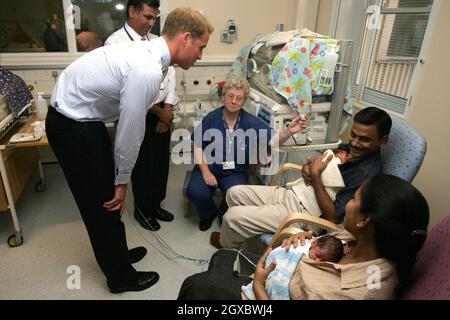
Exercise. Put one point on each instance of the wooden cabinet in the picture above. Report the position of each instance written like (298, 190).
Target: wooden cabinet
(20, 163)
(20, 160)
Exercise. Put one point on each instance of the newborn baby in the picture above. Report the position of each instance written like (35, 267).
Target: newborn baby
(326, 248)
(341, 156)
(331, 178)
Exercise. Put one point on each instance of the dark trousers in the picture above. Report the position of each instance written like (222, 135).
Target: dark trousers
(151, 171)
(84, 152)
(201, 194)
(220, 282)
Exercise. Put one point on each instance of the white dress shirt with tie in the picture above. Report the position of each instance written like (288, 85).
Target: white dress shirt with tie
(115, 83)
(167, 93)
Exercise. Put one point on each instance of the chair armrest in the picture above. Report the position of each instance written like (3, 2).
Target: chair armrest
(282, 169)
(278, 238)
(298, 217)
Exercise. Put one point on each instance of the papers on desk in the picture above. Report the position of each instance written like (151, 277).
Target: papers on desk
(25, 137)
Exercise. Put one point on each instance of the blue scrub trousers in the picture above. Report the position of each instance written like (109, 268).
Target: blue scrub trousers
(201, 195)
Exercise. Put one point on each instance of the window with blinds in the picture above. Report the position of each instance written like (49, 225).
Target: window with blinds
(406, 36)
(405, 30)
(384, 56)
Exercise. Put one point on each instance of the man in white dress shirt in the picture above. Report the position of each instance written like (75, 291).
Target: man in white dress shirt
(115, 83)
(151, 171)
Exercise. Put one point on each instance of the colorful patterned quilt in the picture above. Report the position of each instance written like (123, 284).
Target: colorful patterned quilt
(296, 70)
(15, 90)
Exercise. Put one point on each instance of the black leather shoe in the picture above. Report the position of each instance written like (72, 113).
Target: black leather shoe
(144, 280)
(206, 224)
(163, 215)
(148, 223)
(137, 254)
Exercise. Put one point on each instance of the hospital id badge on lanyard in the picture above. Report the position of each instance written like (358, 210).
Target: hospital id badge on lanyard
(229, 165)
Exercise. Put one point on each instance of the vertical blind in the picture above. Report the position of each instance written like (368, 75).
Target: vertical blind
(391, 51)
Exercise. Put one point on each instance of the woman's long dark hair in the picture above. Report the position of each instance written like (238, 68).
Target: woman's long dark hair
(400, 216)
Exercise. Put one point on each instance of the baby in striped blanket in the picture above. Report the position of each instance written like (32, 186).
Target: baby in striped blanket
(326, 248)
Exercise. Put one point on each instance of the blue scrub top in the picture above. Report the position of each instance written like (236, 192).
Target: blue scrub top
(249, 136)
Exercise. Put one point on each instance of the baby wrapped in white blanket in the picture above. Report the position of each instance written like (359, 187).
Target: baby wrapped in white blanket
(331, 179)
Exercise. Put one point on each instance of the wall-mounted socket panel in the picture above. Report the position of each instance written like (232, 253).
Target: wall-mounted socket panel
(198, 80)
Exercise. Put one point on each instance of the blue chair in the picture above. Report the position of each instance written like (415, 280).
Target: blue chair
(402, 156)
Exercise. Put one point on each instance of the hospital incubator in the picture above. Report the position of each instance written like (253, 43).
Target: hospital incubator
(292, 73)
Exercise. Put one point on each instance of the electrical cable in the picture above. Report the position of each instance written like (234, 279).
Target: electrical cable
(183, 84)
(241, 254)
(218, 88)
(210, 95)
(296, 143)
(163, 243)
(218, 102)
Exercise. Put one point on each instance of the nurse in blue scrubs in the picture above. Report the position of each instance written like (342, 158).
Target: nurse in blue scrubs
(226, 142)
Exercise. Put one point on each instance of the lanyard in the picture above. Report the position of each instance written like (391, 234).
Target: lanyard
(129, 35)
(230, 137)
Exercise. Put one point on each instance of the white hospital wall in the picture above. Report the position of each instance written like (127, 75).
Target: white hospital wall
(430, 114)
(324, 16)
(251, 17)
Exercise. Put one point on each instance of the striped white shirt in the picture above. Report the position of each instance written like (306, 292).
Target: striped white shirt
(112, 83)
(167, 91)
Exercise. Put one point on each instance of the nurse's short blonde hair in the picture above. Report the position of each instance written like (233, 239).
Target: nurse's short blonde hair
(237, 82)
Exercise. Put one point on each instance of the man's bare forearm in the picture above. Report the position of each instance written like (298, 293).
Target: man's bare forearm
(326, 205)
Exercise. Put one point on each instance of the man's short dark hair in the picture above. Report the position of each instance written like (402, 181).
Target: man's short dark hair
(139, 4)
(375, 116)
